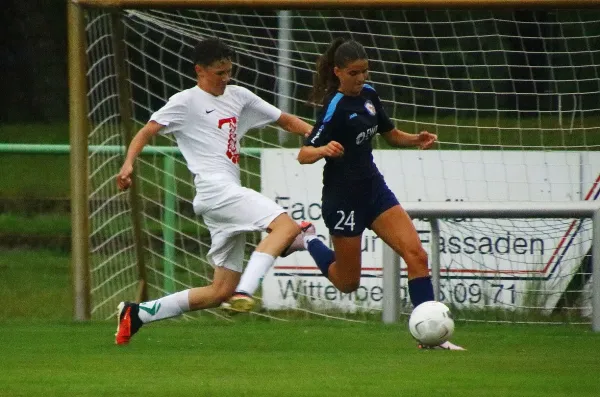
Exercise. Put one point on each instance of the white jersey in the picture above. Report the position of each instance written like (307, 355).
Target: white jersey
(208, 130)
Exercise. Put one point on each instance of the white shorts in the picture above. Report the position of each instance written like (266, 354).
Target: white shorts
(228, 216)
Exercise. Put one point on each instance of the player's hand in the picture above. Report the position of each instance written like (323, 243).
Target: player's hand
(426, 140)
(332, 149)
(124, 177)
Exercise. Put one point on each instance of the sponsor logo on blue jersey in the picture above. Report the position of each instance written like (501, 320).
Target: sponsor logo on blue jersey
(366, 135)
(370, 108)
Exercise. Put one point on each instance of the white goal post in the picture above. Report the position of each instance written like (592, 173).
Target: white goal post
(512, 88)
(434, 212)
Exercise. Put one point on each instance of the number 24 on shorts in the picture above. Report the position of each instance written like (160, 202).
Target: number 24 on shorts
(345, 221)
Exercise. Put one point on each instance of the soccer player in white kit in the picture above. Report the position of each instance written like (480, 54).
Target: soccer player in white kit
(208, 122)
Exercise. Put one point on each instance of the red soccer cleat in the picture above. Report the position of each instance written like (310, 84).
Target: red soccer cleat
(128, 322)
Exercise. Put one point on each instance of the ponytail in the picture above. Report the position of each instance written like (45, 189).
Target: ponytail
(325, 81)
(339, 53)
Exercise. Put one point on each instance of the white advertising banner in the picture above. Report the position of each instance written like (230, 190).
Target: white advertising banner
(484, 262)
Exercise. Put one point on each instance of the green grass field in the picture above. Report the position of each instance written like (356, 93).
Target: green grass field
(293, 359)
(45, 353)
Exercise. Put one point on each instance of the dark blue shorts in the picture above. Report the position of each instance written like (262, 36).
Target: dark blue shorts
(348, 211)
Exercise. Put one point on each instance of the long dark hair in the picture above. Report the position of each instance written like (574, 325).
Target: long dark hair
(339, 53)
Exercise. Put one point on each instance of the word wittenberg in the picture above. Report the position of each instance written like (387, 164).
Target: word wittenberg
(321, 290)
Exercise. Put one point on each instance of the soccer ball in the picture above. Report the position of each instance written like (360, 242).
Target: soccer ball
(431, 323)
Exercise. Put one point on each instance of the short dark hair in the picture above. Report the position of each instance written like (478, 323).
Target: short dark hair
(210, 50)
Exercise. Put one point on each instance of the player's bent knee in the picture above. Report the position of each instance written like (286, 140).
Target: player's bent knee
(294, 228)
(285, 226)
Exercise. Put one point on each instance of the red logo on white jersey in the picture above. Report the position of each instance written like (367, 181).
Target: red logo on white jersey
(232, 151)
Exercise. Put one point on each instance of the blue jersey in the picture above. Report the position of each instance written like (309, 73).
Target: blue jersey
(354, 192)
(352, 121)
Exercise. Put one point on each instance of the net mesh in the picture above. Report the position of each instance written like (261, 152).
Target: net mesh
(513, 96)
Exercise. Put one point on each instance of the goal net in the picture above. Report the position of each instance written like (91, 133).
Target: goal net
(514, 97)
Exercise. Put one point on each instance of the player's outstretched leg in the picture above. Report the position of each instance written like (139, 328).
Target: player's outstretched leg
(395, 227)
(241, 301)
(128, 322)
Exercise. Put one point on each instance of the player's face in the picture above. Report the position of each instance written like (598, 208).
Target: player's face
(214, 77)
(353, 76)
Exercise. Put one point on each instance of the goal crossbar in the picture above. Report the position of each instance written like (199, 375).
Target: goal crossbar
(436, 211)
(347, 4)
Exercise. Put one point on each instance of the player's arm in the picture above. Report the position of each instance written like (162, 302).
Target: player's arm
(294, 124)
(311, 154)
(135, 147)
(264, 113)
(397, 138)
(321, 142)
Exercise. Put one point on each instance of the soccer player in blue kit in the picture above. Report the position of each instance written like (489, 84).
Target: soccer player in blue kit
(355, 195)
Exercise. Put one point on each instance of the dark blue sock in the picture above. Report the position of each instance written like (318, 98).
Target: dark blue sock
(322, 255)
(420, 290)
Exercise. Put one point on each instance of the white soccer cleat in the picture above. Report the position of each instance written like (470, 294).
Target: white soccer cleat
(307, 229)
(450, 346)
(443, 346)
(239, 303)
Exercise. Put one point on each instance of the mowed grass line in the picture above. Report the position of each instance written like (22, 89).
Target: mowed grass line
(305, 358)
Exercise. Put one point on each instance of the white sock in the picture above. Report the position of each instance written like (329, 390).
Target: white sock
(308, 239)
(165, 307)
(258, 265)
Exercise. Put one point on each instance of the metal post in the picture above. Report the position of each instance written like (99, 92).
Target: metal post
(391, 285)
(78, 137)
(435, 257)
(284, 71)
(169, 223)
(596, 271)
